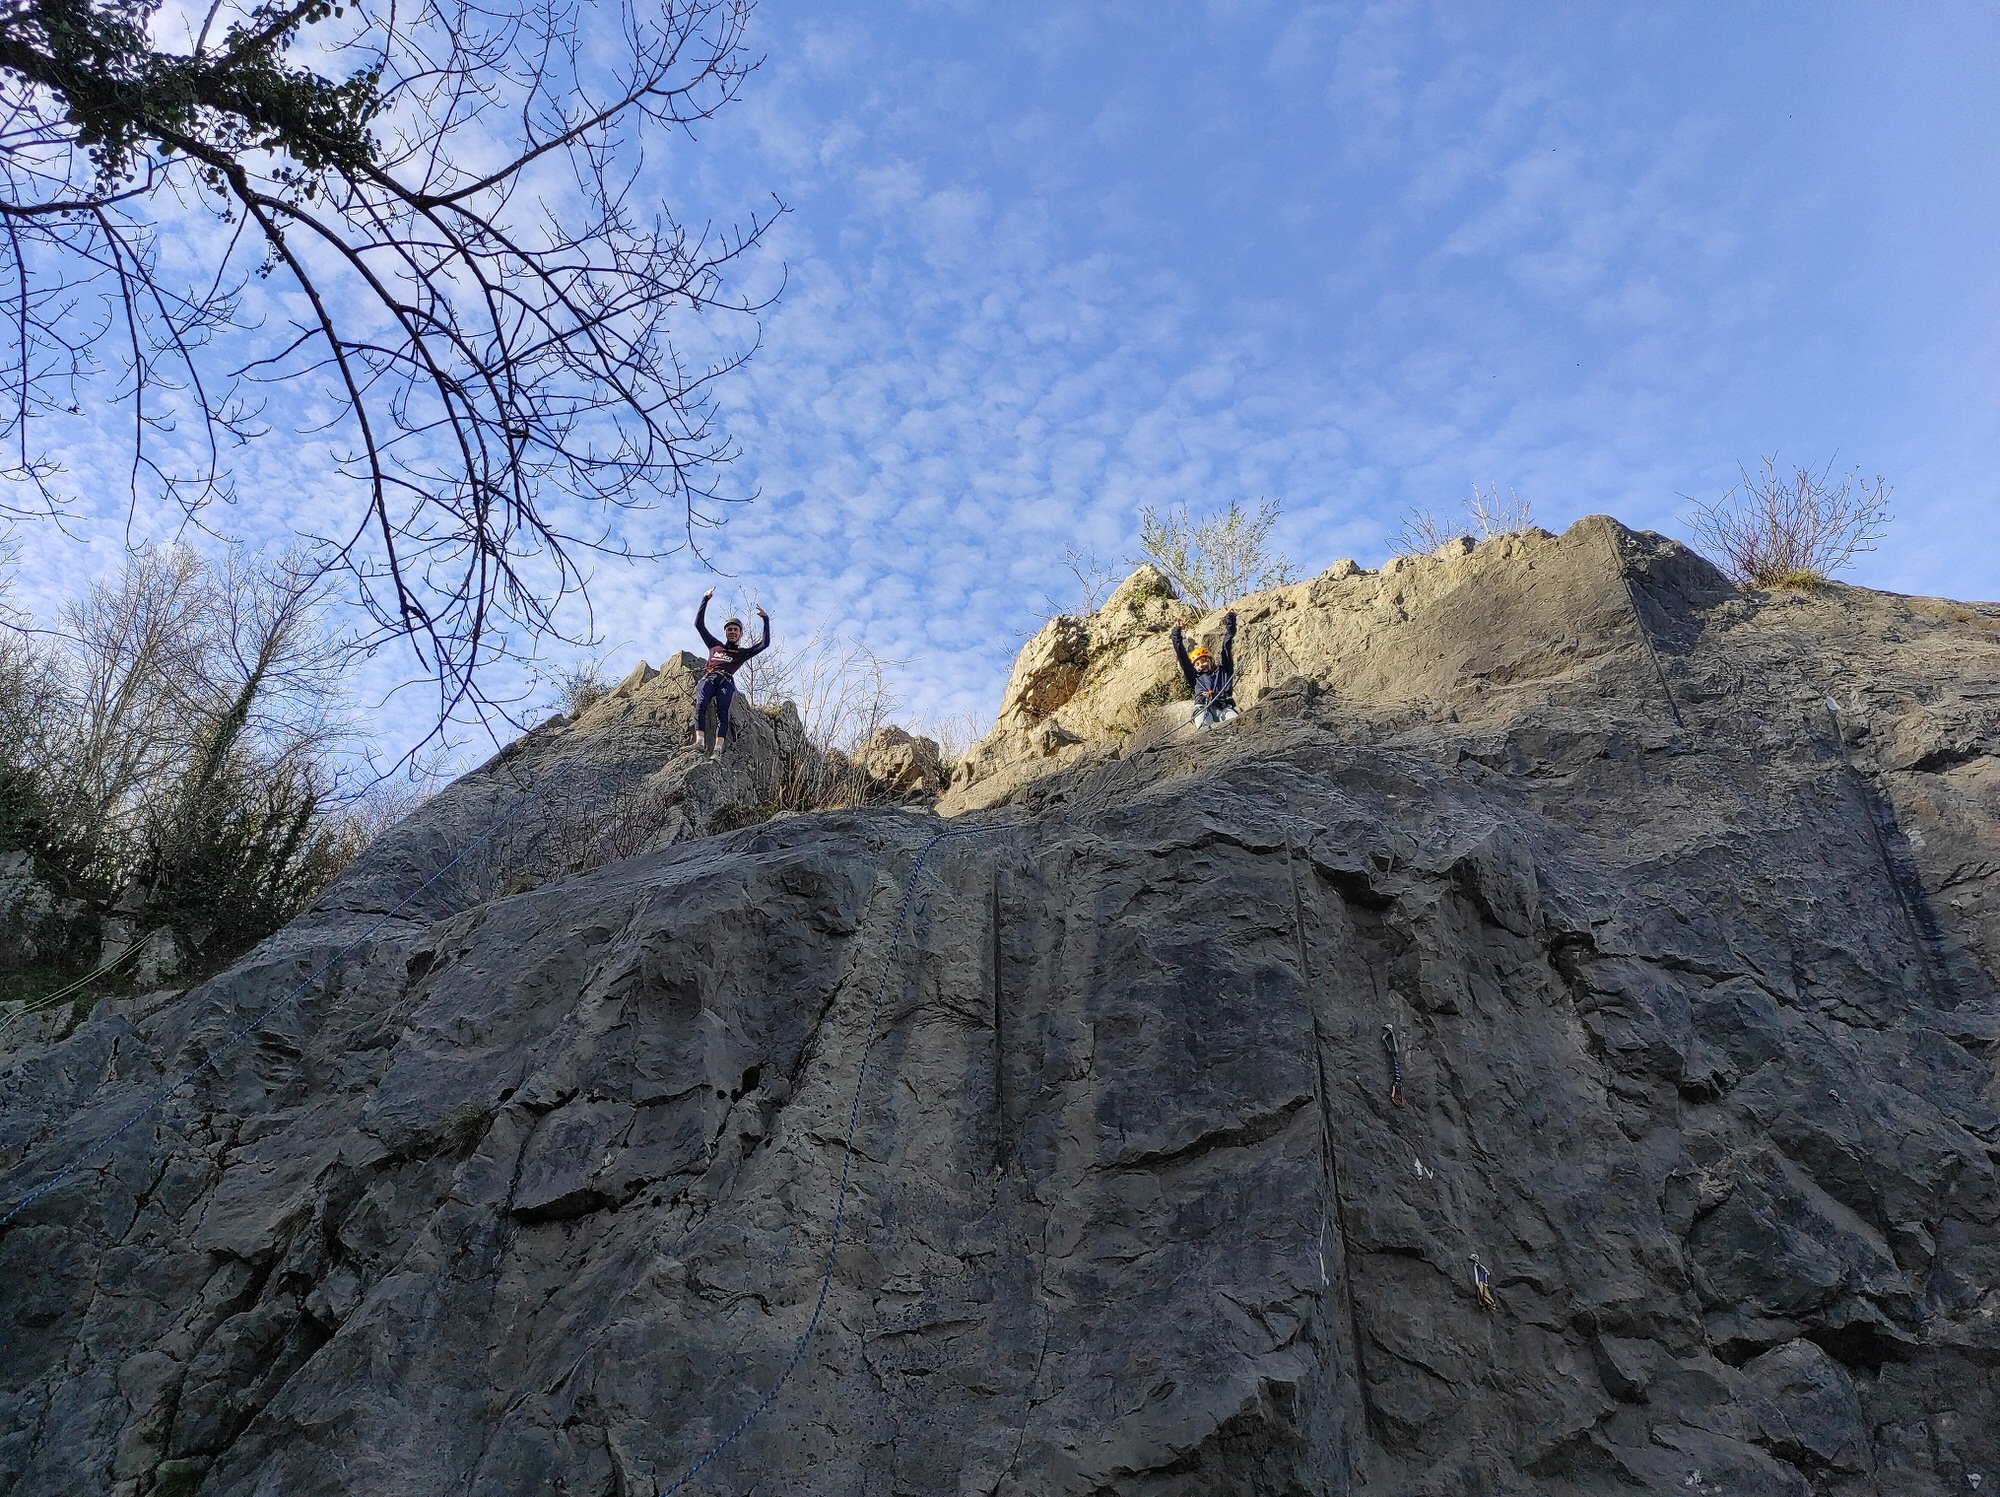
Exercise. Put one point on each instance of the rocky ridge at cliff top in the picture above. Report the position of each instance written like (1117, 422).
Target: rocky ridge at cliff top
(1678, 901)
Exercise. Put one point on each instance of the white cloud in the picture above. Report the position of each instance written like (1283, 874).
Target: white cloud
(1349, 257)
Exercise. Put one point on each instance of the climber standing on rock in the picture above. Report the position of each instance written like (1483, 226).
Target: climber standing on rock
(1212, 680)
(718, 683)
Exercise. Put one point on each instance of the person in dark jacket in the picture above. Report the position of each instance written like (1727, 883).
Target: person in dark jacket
(725, 657)
(1212, 679)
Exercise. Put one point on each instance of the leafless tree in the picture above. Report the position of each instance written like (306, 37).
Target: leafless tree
(1423, 532)
(133, 680)
(841, 690)
(1792, 529)
(166, 760)
(958, 736)
(165, 686)
(1495, 517)
(1218, 558)
(1094, 582)
(839, 685)
(1487, 516)
(426, 220)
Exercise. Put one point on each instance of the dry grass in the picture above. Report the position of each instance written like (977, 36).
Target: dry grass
(579, 840)
(580, 687)
(467, 1127)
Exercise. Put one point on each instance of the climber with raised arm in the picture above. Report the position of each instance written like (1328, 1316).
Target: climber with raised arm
(718, 682)
(1211, 678)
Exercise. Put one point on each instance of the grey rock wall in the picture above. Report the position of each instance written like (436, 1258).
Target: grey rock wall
(536, 1192)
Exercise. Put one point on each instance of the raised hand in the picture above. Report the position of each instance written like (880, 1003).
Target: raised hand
(707, 595)
(763, 615)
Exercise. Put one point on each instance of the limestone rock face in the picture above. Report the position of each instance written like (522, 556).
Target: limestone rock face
(26, 905)
(902, 763)
(1678, 905)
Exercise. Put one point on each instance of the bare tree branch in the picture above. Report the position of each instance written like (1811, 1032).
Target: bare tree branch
(452, 244)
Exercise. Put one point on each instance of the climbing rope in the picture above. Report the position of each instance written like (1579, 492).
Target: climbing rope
(36, 1005)
(1914, 923)
(1645, 634)
(257, 1020)
(846, 1160)
(1395, 1065)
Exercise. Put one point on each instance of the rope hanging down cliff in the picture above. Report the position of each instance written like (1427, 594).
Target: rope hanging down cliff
(846, 1160)
(257, 1020)
(1645, 634)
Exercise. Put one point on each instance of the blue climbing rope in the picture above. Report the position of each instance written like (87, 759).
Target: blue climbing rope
(257, 1021)
(846, 1161)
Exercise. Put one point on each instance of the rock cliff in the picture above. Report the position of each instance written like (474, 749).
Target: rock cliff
(1677, 902)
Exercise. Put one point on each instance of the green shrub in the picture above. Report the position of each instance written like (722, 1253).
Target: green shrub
(180, 1478)
(729, 818)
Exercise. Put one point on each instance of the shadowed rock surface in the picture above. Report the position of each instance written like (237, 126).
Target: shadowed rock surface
(1692, 974)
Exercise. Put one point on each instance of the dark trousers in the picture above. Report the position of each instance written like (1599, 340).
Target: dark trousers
(721, 690)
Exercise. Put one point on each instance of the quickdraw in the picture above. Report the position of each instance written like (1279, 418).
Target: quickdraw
(1482, 1281)
(1395, 1065)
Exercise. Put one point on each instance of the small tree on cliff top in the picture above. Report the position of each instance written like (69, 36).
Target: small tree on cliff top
(1217, 558)
(1792, 529)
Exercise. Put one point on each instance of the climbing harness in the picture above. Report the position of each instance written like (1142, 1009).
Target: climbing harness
(1395, 1065)
(1482, 1281)
(846, 1160)
(256, 1021)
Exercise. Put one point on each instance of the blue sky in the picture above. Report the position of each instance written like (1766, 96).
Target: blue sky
(1046, 264)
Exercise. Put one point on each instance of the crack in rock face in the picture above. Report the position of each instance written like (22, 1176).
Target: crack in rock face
(1696, 1027)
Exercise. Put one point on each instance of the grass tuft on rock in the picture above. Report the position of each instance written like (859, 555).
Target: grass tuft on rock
(467, 1127)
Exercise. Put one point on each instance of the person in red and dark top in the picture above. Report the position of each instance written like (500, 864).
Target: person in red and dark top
(725, 656)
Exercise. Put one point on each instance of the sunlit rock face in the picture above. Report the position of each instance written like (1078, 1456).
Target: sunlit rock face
(1676, 901)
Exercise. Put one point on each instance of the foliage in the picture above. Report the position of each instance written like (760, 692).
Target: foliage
(732, 818)
(1792, 529)
(426, 221)
(167, 755)
(1217, 559)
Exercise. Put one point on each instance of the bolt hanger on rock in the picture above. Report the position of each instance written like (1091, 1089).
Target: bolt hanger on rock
(1395, 1065)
